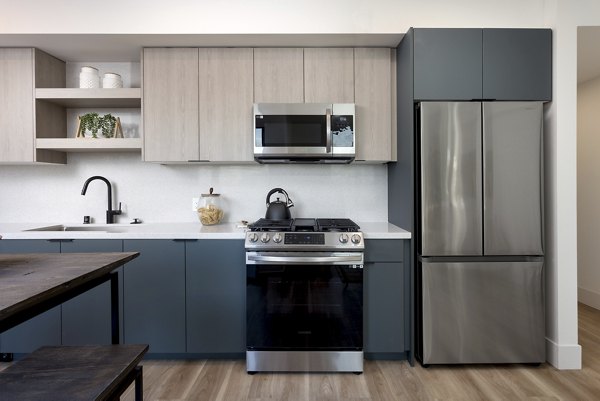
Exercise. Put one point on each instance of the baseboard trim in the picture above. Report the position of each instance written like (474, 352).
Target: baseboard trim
(588, 297)
(563, 357)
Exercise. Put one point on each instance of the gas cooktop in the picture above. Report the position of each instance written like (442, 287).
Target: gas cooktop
(305, 225)
(304, 235)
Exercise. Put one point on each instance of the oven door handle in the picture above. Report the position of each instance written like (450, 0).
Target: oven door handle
(355, 258)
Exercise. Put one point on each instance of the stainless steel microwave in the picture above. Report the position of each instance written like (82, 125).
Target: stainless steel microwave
(304, 132)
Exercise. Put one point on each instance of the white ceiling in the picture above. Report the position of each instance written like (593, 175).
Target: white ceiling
(127, 47)
(588, 53)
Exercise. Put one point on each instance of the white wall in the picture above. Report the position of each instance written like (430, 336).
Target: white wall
(588, 192)
(355, 16)
(260, 16)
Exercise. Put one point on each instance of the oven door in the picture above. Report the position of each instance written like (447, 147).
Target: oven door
(304, 301)
(307, 130)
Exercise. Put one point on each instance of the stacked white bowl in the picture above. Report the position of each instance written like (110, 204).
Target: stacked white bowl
(89, 78)
(112, 80)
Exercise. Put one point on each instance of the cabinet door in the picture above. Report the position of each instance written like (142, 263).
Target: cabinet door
(517, 64)
(216, 296)
(278, 75)
(17, 105)
(447, 64)
(86, 319)
(373, 91)
(154, 295)
(170, 104)
(43, 329)
(329, 75)
(226, 97)
(384, 308)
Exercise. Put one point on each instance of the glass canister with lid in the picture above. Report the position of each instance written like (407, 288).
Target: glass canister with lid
(210, 211)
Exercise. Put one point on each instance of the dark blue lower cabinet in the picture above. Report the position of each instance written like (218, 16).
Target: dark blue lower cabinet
(43, 329)
(190, 296)
(384, 309)
(386, 299)
(154, 295)
(86, 319)
(216, 297)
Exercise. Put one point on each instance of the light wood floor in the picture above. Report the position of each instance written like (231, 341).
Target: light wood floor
(382, 380)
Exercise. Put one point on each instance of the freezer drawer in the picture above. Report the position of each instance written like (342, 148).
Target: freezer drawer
(512, 178)
(482, 312)
(450, 178)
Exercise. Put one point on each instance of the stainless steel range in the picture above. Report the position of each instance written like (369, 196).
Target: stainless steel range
(304, 296)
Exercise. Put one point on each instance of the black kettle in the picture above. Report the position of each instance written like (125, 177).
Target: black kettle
(278, 210)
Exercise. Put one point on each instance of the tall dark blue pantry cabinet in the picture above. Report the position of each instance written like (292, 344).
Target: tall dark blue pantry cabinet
(494, 72)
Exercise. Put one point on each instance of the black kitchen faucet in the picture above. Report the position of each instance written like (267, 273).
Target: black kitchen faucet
(110, 213)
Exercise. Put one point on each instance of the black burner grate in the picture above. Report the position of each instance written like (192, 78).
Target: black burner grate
(337, 225)
(271, 225)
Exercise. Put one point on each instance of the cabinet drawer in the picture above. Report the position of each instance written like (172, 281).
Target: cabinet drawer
(384, 250)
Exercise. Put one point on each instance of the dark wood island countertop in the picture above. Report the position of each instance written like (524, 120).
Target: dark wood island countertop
(30, 280)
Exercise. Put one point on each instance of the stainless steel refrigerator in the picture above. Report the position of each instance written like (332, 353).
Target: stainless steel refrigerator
(480, 279)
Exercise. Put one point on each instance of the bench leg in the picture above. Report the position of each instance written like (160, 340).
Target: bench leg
(139, 384)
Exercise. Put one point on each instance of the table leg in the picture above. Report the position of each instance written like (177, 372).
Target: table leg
(139, 384)
(114, 306)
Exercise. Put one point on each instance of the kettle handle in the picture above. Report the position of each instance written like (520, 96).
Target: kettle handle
(288, 201)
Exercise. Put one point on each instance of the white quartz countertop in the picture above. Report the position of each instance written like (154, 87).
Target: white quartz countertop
(371, 230)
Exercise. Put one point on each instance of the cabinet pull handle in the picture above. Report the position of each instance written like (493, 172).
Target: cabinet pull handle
(328, 130)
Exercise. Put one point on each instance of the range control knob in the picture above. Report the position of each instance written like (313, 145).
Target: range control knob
(343, 238)
(265, 238)
(356, 239)
(277, 238)
(253, 237)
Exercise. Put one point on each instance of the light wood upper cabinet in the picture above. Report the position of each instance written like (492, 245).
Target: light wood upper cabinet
(329, 75)
(374, 98)
(197, 103)
(170, 104)
(225, 109)
(16, 103)
(278, 75)
(22, 117)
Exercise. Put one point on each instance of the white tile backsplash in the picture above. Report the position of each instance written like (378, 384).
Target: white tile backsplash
(163, 193)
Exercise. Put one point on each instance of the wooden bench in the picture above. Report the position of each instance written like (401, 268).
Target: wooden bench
(78, 373)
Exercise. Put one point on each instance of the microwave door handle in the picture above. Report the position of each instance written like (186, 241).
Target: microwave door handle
(328, 128)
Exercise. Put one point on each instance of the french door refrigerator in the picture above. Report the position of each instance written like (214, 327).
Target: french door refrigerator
(480, 286)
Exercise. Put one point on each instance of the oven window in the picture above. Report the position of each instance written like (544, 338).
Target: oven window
(304, 307)
(292, 130)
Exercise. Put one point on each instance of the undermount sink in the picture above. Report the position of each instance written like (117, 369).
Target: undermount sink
(86, 228)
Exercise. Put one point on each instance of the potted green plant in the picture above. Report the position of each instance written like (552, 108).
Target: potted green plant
(95, 123)
(89, 122)
(107, 124)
